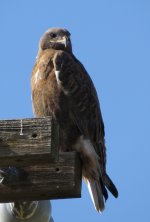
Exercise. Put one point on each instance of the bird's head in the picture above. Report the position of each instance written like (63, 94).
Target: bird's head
(56, 38)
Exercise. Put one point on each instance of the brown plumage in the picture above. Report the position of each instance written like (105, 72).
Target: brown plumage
(61, 87)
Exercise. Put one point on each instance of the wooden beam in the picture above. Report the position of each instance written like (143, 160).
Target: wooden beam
(58, 179)
(28, 141)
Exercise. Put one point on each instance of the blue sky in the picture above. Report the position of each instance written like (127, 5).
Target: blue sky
(112, 40)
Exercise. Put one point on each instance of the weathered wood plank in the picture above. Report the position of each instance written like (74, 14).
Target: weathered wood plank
(28, 141)
(59, 179)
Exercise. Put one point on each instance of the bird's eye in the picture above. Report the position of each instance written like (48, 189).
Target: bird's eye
(52, 35)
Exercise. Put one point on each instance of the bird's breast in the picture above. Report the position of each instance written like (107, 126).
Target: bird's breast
(45, 94)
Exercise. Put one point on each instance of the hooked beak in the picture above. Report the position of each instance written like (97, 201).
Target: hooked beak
(63, 41)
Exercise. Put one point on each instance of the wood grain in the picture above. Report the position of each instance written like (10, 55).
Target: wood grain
(58, 179)
(28, 141)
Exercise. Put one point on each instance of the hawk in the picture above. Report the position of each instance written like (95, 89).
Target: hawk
(61, 87)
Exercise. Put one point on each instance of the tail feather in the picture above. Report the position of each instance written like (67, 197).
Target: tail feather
(96, 193)
(104, 190)
(110, 185)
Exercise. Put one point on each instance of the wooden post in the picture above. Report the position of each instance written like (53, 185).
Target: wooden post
(31, 166)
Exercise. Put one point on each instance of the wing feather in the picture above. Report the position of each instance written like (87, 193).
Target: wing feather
(83, 101)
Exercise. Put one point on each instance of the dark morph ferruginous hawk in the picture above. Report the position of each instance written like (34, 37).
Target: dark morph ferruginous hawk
(61, 87)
